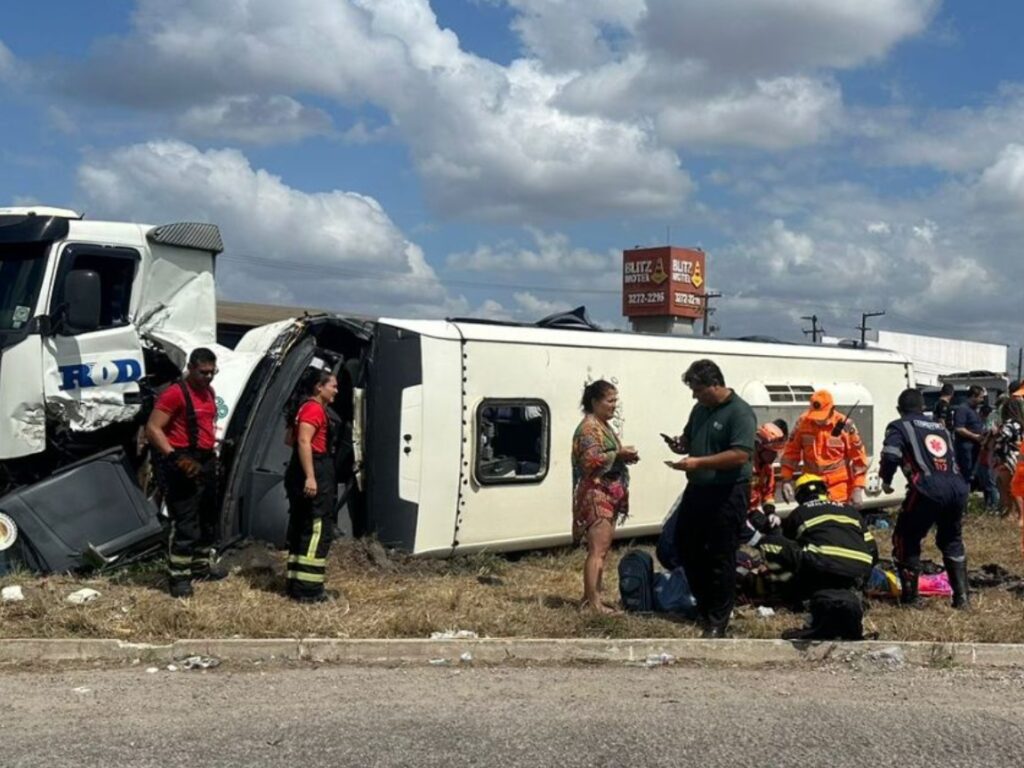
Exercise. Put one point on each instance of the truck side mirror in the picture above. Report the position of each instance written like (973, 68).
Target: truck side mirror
(82, 299)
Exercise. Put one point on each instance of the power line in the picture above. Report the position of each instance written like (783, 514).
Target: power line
(863, 327)
(365, 274)
(708, 309)
(816, 329)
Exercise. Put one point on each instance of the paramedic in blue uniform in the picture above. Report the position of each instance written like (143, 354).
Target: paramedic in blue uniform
(936, 495)
(182, 429)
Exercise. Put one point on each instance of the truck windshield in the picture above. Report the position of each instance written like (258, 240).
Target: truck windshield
(21, 275)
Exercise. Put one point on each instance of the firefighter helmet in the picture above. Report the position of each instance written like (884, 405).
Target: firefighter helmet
(809, 487)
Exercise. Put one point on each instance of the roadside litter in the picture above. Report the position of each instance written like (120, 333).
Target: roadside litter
(200, 662)
(659, 660)
(454, 634)
(82, 596)
(12, 594)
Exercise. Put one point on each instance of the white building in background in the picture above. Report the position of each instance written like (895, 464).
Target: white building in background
(934, 356)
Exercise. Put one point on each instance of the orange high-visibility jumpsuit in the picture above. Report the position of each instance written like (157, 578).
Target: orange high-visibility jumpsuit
(762, 484)
(841, 461)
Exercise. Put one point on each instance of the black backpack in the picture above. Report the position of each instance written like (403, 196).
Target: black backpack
(636, 582)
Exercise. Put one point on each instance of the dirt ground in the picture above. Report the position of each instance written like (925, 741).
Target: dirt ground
(390, 595)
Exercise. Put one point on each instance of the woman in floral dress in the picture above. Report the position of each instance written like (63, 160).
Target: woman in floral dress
(600, 484)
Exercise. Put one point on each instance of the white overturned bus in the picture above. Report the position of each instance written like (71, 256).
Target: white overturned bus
(463, 429)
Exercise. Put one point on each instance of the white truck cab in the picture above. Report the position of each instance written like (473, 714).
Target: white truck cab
(87, 309)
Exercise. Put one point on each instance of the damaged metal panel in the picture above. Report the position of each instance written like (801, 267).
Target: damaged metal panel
(177, 308)
(22, 420)
(94, 504)
(91, 381)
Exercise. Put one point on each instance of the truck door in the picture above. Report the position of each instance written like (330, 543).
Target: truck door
(92, 359)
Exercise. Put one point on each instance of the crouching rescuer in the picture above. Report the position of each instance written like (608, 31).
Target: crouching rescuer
(312, 488)
(936, 495)
(823, 553)
(182, 429)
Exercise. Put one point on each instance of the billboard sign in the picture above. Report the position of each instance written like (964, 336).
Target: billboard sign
(663, 281)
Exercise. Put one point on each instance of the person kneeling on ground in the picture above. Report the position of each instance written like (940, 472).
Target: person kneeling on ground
(312, 488)
(823, 552)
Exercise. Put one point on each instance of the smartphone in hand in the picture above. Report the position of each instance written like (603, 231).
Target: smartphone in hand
(672, 442)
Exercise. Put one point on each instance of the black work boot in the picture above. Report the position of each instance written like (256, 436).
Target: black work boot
(956, 570)
(908, 586)
(180, 588)
(205, 567)
(715, 632)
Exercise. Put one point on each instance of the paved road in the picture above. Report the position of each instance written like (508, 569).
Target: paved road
(303, 717)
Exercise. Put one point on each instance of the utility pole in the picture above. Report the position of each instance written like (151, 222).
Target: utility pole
(708, 310)
(1020, 359)
(815, 328)
(863, 327)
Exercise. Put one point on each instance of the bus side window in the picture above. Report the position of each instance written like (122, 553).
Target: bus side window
(512, 439)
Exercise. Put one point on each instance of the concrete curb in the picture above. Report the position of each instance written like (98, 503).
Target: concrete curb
(640, 652)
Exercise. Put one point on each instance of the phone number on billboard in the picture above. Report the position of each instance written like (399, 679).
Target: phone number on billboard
(650, 297)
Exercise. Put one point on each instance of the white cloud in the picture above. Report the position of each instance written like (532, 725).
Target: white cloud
(553, 254)
(487, 140)
(774, 115)
(764, 37)
(536, 307)
(8, 63)
(1001, 186)
(526, 308)
(255, 120)
(936, 264)
(334, 250)
(573, 34)
(955, 140)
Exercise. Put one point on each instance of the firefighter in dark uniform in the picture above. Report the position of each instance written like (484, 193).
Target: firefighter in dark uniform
(822, 544)
(182, 429)
(936, 495)
(312, 488)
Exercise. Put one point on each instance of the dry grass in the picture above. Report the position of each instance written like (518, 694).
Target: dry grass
(396, 596)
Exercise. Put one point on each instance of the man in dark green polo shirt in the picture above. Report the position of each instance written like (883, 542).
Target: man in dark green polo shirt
(719, 438)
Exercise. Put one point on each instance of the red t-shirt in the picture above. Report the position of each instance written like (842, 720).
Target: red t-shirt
(311, 412)
(172, 402)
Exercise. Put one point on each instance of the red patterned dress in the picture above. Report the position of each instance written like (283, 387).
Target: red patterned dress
(600, 479)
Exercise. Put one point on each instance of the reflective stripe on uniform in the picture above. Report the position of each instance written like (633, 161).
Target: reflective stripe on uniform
(849, 554)
(772, 548)
(314, 541)
(314, 578)
(824, 469)
(316, 562)
(915, 449)
(180, 559)
(843, 519)
(892, 450)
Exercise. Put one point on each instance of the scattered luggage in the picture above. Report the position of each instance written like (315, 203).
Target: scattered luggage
(636, 581)
(672, 594)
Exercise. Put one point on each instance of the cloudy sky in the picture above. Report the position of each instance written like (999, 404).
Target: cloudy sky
(494, 157)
